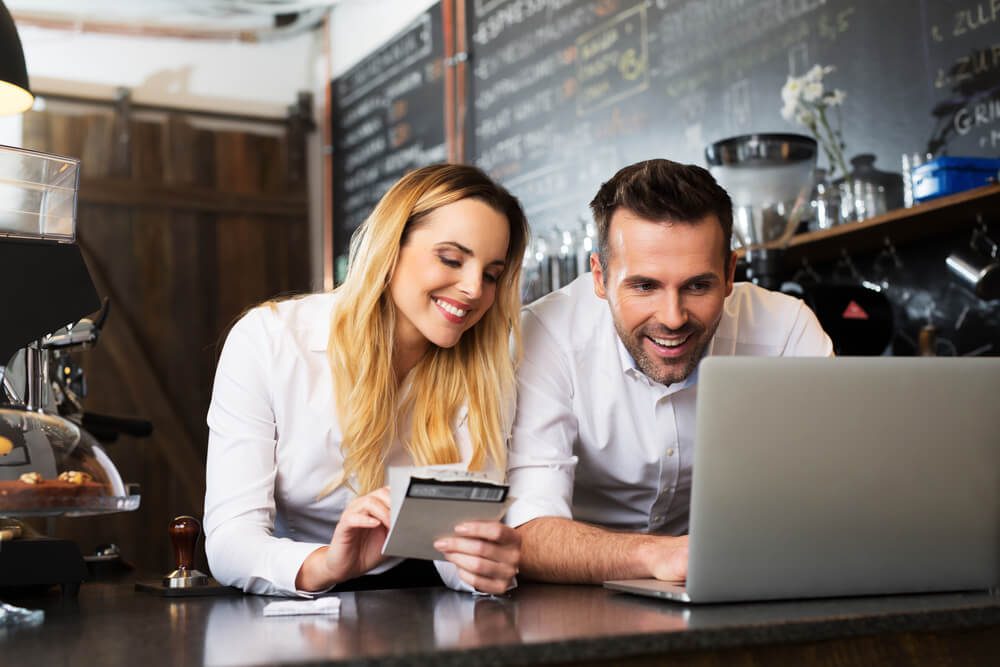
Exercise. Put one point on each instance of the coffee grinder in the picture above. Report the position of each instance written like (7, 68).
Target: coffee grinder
(769, 178)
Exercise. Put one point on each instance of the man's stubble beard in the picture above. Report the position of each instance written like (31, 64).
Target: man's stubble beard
(652, 367)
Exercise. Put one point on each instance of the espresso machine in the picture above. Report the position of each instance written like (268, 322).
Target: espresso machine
(50, 464)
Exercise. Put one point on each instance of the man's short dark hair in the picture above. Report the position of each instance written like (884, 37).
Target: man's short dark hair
(662, 190)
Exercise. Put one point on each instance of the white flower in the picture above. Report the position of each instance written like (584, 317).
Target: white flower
(788, 111)
(815, 74)
(791, 90)
(812, 91)
(805, 101)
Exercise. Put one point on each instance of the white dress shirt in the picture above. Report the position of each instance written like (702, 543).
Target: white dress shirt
(274, 444)
(594, 438)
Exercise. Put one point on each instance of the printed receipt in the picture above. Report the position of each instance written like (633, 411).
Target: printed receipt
(428, 502)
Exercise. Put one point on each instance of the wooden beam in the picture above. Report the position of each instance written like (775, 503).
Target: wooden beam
(199, 112)
(120, 192)
(461, 94)
(326, 173)
(85, 24)
(448, 29)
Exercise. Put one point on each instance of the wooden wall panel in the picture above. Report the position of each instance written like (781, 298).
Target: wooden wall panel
(204, 166)
(178, 277)
(177, 139)
(146, 152)
(97, 154)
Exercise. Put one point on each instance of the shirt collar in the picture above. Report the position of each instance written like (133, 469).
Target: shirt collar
(318, 336)
(628, 363)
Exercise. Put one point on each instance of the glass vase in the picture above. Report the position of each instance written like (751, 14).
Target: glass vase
(826, 202)
(849, 211)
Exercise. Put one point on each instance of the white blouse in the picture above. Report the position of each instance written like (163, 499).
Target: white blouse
(274, 445)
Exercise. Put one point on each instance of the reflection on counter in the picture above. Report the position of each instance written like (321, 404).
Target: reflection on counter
(438, 623)
(536, 624)
(237, 633)
(422, 620)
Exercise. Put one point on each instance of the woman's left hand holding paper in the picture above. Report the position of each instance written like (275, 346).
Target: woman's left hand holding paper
(487, 554)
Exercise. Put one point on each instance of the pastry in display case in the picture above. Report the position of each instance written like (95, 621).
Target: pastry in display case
(49, 466)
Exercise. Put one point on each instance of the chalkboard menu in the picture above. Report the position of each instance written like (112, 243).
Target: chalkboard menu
(562, 93)
(388, 118)
(566, 92)
(962, 42)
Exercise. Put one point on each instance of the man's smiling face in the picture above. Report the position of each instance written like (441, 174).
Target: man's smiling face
(666, 283)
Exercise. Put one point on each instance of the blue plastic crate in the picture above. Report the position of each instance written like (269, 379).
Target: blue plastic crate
(948, 175)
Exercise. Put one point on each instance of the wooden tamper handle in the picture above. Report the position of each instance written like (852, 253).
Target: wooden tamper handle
(184, 532)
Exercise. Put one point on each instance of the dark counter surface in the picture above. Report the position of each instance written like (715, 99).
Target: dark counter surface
(111, 624)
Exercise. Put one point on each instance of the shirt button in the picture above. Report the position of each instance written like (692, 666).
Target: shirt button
(670, 452)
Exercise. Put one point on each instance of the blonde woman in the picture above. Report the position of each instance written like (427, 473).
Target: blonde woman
(407, 363)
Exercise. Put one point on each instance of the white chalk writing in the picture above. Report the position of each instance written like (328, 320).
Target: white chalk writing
(415, 43)
(511, 14)
(976, 115)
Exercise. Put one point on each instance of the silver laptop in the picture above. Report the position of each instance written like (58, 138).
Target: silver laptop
(839, 477)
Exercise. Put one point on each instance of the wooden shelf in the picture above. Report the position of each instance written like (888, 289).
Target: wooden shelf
(936, 217)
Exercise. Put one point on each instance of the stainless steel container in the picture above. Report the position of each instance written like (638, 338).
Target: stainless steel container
(769, 177)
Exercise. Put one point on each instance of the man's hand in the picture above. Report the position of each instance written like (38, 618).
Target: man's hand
(487, 554)
(667, 558)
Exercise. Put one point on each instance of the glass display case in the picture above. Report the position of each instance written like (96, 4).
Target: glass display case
(49, 466)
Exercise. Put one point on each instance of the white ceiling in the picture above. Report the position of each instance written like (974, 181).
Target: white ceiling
(196, 14)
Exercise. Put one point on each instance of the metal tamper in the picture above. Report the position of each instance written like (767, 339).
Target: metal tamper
(185, 581)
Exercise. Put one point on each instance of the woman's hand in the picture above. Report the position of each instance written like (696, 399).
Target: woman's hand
(357, 542)
(356, 546)
(487, 554)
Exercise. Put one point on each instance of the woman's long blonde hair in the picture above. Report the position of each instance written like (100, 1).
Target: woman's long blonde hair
(478, 372)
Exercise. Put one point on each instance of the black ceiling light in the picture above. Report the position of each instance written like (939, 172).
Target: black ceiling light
(15, 94)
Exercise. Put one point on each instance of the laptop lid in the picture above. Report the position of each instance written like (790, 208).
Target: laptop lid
(848, 476)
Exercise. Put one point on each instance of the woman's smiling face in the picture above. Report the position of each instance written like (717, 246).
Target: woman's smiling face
(446, 275)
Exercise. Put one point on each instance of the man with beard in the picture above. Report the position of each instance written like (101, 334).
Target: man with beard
(600, 462)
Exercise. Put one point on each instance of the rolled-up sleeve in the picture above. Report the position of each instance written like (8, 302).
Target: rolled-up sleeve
(541, 463)
(241, 470)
